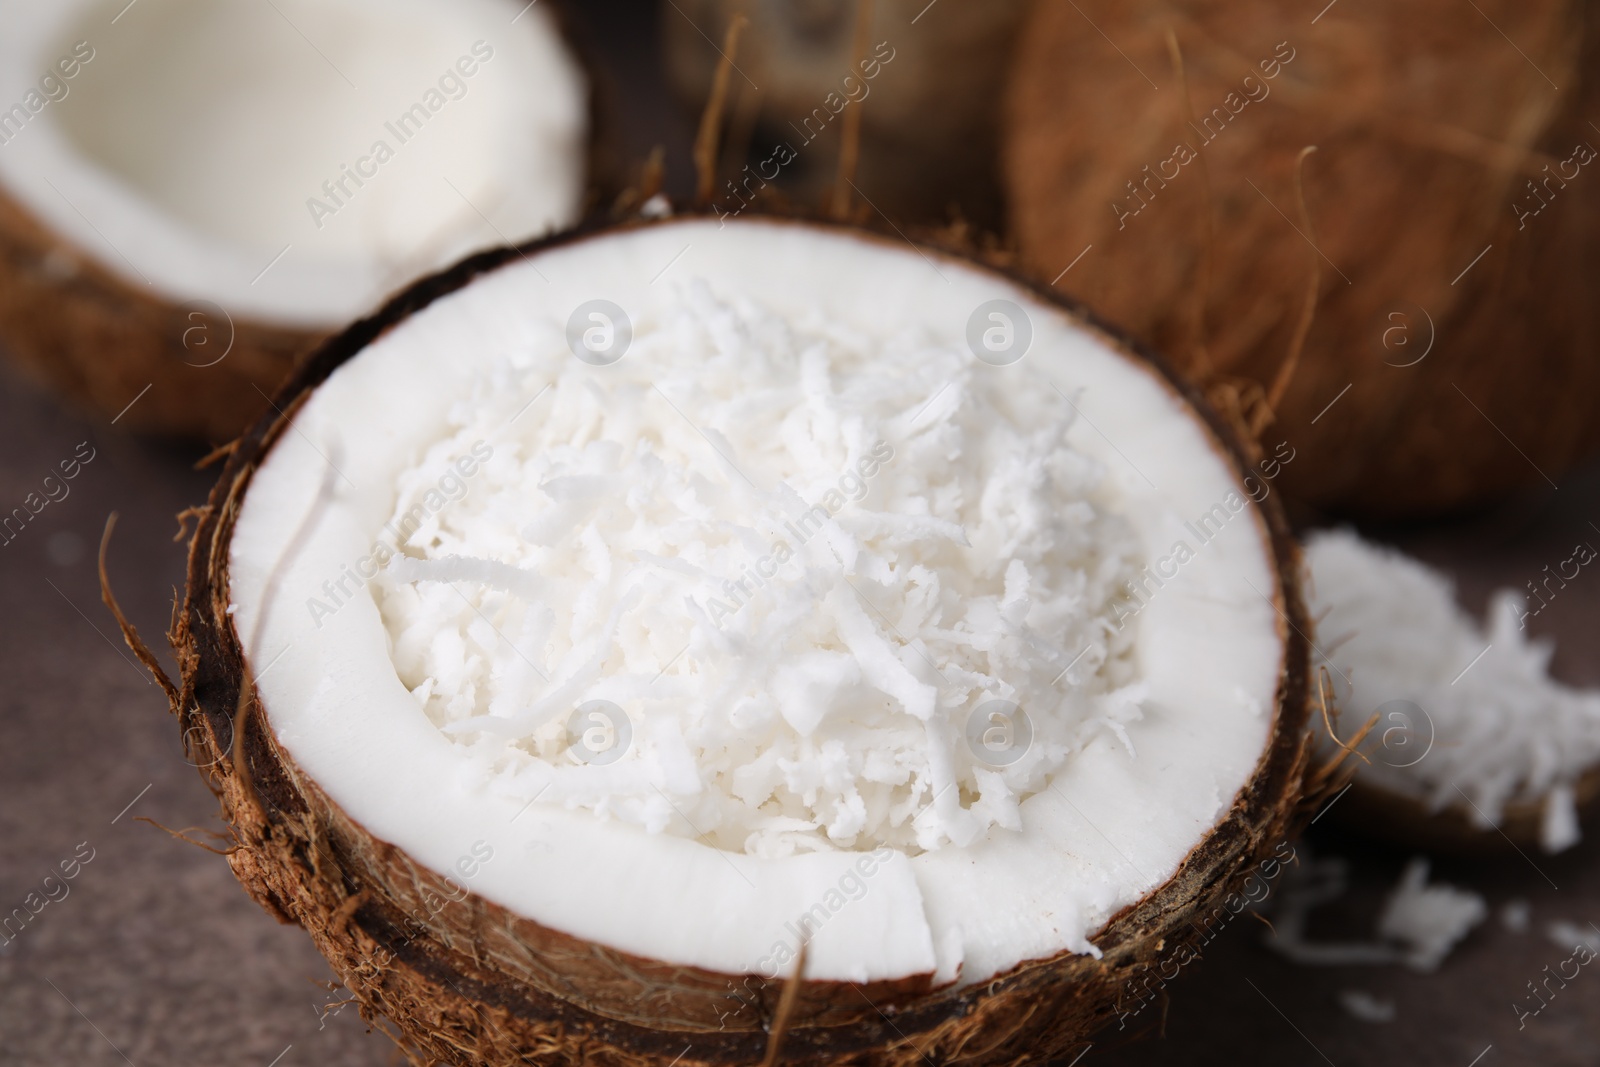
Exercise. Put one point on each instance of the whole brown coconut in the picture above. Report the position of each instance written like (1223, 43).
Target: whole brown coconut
(472, 983)
(926, 95)
(187, 369)
(1449, 212)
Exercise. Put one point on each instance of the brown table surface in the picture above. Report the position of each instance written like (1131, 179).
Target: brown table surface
(156, 956)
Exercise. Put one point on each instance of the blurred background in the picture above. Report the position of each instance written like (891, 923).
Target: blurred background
(156, 957)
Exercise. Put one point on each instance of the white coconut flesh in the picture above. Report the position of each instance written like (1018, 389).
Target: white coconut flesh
(543, 532)
(289, 161)
(1468, 715)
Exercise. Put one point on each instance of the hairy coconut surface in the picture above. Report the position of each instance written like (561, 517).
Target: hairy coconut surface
(197, 370)
(1451, 212)
(927, 95)
(466, 982)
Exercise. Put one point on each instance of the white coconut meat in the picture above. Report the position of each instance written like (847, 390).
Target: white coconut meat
(290, 161)
(691, 632)
(1469, 717)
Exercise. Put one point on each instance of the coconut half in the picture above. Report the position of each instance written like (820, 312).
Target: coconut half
(612, 618)
(191, 191)
(1476, 746)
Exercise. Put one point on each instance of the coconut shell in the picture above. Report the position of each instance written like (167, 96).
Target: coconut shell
(928, 136)
(1405, 820)
(100, 340)
(464, 981)
(1467, 377)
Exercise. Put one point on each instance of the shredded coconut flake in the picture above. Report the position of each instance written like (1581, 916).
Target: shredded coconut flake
(1362, 1005)
(1429, 919)
(1570, 935)
(1418, 926)
(1492, 724)
(1516, 915)
(795, 558)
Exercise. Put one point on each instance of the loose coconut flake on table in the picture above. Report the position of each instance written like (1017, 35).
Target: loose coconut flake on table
(1419, 925)
(1360, 1004)
(1566, 934)
(1470, 718)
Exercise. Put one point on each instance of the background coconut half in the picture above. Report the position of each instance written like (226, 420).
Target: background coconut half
(191, 194)
(927, 96)
(1470, 744)
(473, 981)
(1450, 217)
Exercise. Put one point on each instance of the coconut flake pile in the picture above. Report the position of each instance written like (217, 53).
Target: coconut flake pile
(794, 556)
(1499, 728)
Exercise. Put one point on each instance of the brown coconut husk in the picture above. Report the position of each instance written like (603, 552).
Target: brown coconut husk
(928, 140)
(118, 351)
(183, 369)
(1428, 125)
(467, 982)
